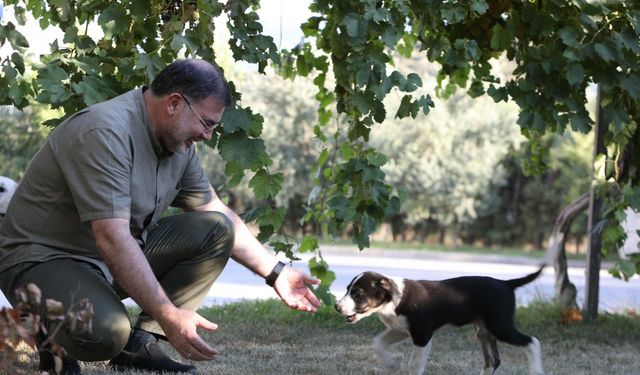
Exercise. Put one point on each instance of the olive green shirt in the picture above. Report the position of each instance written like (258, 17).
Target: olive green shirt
(102, 162)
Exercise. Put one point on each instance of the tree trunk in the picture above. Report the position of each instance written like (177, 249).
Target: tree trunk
(565, 290)
(594, 244)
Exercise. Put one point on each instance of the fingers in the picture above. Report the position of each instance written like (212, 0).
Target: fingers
(196, 349)
(206, 324)
(310, 280)
(182, 332)
(312, 299)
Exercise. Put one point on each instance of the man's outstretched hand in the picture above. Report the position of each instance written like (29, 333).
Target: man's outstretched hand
(181, 326)
(293, 288)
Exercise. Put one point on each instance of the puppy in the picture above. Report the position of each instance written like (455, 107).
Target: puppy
(417, 308)
(7, 188)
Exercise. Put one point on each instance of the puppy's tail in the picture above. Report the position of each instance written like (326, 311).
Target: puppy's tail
(514, 283)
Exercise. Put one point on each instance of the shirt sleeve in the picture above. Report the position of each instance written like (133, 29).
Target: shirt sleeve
(195, 189)
(97, 167)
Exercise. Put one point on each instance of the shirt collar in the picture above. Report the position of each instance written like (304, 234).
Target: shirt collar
(157, 147)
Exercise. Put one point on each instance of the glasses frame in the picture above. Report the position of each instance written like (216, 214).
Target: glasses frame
(209, 125)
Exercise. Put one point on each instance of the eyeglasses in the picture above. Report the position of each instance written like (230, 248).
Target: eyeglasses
(209, 125)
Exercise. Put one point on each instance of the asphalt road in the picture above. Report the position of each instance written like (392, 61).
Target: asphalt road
(237, 283)
(616, 295)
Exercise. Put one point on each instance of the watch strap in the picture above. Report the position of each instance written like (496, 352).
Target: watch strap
(273, 275)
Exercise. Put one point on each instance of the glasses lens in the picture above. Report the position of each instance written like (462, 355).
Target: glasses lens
(209, 125)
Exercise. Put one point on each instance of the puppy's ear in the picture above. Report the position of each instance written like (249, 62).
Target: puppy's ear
(385, 283)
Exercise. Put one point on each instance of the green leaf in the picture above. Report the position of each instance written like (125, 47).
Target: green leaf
(377, 159)
(236, 118)
(235, 170)
(604, 52)
(569, 37)
(575, 74)
(407, 108)
(351, 23)
(498, 94)
(580, 123)
(271, 217)
(454, 14)
(623, 269)
(362, 103)
(308, 244)
(265, 185)
(500, 38)
(248, 152)
(631, 84)
(479, 7)
(413, 82)
(286, 248)
(51, 80)
(93, 90)
(150, 65)
(17, 40)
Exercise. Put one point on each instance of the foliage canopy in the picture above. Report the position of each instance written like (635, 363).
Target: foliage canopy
(560, 48)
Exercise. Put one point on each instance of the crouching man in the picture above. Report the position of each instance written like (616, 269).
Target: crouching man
(86, 222)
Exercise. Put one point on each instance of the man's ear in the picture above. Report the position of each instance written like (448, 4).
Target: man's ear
(174, 103)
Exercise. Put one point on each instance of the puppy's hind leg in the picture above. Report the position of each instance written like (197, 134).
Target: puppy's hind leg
(534, 355)
(505, 330)
(383, 341)
(419, 357)
(489, 348)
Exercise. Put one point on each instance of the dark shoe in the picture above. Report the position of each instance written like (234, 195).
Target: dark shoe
(70, 366)
(147, 356)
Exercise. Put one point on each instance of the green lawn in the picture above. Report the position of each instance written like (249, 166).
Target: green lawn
(265, 337)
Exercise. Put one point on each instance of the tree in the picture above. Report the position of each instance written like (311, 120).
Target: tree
(559, 47)
(22, 135)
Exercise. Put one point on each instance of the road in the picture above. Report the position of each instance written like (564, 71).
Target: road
(236, 282)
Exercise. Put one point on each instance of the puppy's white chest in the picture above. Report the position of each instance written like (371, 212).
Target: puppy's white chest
(393, 321)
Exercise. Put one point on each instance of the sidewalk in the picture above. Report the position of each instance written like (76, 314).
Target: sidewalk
(452, 256)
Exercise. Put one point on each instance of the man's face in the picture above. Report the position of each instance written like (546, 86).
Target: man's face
(195, 122)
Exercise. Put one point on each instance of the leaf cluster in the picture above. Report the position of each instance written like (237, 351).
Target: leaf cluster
(24, 323)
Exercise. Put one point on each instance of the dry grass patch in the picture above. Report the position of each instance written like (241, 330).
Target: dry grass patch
(265, 337)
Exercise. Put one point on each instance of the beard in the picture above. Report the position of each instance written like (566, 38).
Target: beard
(179, 139)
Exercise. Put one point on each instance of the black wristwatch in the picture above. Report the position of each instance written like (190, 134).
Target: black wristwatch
(273, 275)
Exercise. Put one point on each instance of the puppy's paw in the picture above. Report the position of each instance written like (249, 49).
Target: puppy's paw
(387, 359)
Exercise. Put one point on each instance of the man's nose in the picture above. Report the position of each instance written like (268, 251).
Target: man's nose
(206, 135)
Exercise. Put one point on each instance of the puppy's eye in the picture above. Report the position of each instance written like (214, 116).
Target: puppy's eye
(1, 189)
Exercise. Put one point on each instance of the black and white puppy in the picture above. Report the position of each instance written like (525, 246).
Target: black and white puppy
(417, 308)
(7, 188)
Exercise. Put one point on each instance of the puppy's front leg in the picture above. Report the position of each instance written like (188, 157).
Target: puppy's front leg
(419, 357)
(383, 341)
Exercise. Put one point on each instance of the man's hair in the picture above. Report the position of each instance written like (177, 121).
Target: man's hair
(195, 79)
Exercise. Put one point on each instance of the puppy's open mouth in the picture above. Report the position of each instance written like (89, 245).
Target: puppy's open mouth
(351, 318)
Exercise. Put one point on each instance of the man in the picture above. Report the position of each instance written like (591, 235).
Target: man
(86, 222)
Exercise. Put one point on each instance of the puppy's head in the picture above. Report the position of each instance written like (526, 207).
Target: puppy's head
(366, 294)
(7, 188)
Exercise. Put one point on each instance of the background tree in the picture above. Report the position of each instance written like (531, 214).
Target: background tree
(21, 135)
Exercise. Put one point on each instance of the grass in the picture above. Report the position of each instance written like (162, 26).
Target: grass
(265, 337)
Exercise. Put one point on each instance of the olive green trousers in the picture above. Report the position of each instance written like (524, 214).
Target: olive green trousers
(186, 252)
